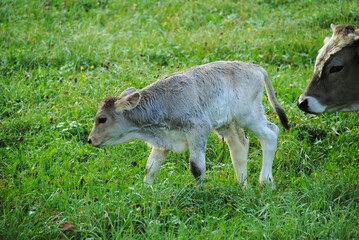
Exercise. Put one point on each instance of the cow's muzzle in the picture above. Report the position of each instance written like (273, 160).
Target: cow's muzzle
(303, 105)
(310, 105)
(93, 144)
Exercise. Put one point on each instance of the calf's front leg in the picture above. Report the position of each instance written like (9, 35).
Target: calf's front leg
(154, 163)
(197, 141)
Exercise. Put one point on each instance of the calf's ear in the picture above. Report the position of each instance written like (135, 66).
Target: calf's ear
(128, 91)
(127, 102)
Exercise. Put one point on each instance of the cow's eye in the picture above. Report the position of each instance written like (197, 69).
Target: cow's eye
(335, 69)
(102, 120)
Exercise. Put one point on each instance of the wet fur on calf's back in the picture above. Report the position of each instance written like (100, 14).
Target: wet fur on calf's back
(174, 99)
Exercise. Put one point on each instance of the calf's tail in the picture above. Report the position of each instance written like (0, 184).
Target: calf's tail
(273, 100)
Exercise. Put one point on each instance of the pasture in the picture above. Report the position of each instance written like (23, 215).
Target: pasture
(60, 58)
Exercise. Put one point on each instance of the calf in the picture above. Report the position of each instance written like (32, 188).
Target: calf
(180, 110)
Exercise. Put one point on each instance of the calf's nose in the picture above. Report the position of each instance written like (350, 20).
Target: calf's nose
(89, 141)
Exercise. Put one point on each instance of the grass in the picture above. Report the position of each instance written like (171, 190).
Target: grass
(58, 62)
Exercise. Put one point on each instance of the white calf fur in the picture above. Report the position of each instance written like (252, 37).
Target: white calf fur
(180, 110)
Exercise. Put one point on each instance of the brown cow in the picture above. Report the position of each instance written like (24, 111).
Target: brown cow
(335, 84)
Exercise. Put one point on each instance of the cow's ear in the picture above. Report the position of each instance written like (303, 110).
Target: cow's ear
(356, 37)
(326, 40)
(128, 91)
(332, 26)
(127, 102)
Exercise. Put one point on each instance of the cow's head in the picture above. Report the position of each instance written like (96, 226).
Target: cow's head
(111, 127)
(335, 84)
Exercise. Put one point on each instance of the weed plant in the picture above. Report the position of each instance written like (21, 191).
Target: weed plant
(59, 59)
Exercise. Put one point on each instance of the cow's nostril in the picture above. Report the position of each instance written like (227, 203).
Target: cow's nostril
(89, 141)
(303, 105)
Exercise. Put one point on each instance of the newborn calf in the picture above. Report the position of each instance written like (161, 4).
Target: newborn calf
(180, 110)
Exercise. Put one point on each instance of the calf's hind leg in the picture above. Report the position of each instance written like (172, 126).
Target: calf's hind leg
(267, 133)
(237, 142)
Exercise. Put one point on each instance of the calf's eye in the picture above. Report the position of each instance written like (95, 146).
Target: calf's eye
(335, 69)
(102, 120)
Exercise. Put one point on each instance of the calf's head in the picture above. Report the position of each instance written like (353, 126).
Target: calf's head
(111, 127)
(335, 84)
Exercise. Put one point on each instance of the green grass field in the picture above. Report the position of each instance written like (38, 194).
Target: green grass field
(59, 59)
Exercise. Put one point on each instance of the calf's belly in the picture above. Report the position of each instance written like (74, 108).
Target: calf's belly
(172, 140)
